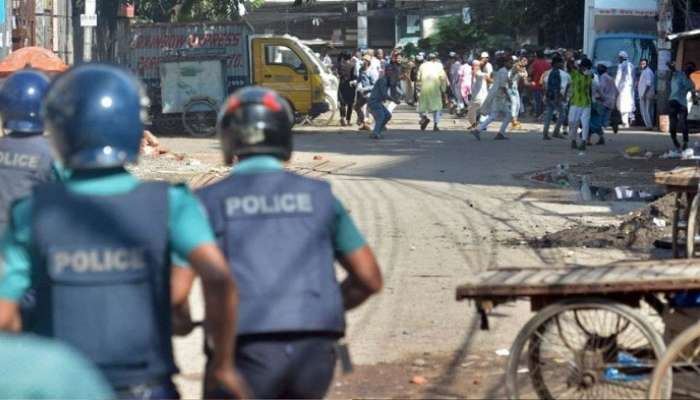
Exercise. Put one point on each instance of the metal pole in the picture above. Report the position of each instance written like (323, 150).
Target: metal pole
(55, 12)
(663, 75)
(90, 8)
(6, 37)
(362, 24)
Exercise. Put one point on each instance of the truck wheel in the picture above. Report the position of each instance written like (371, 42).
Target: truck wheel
(199, 117)
(327, 117)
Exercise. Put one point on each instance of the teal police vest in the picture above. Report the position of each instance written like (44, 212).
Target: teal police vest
(102, 278)
(24, 162)
(276, 230)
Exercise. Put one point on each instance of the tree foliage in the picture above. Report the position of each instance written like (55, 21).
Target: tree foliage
(510, 24)
(192, 10)
(552, 22)
(453, 35)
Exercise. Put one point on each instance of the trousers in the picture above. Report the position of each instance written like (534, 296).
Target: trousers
(280, 366)
(381, 117)
(494, 117)
(678, 116)
(161, 391)
(552, 107)
(646, 105)
(579, 114)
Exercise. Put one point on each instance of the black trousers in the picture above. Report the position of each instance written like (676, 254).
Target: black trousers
(360, 102)
(285, 366)
(346, 95)
(678, 115)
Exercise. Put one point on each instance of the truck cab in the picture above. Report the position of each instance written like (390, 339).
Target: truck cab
(614, 25)
(607, 47)
(285, 64)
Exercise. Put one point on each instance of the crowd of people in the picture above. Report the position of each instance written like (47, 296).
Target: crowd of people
(556, 87)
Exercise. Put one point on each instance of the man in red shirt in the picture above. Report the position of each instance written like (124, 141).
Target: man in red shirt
(537, 69)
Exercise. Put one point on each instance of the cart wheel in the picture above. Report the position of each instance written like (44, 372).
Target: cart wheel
(325, 119)
(693, 227)
(554, 358)
(199, 117)
(679, 368)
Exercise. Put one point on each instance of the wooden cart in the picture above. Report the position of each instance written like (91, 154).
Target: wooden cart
(588, 338)
(683, 182)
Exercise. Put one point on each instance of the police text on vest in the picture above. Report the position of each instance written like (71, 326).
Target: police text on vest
(9, 159)
(104, 260)
(282, 203)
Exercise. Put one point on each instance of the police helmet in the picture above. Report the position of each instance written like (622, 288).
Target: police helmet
(20, 101)
(95, 114)
(256, 120)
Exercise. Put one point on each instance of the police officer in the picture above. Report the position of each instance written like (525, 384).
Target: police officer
(281, 234)
(96, 247)
(25, 154)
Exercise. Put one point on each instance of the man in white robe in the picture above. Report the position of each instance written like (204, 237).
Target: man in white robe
(624, 80)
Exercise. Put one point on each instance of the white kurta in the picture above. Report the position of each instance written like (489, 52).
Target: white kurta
(624, 80)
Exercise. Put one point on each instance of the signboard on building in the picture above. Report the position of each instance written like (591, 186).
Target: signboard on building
(88, 20)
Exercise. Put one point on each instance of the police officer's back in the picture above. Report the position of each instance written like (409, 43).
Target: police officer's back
(96, 248)
(25, 154)
(281, 234)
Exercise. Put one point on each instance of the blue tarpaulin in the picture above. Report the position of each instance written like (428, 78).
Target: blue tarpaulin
(2, 12)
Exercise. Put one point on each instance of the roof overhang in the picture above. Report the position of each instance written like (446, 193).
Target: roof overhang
(684, 35)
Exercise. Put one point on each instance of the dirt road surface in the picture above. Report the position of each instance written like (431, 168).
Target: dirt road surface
(437, 207)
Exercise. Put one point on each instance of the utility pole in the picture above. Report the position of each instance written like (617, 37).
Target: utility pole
(6, 28)
(664, 47)
(362, 42)
(88, 21)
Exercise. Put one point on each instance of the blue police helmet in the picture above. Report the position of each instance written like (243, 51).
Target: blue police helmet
(95, 114)
(20, 101)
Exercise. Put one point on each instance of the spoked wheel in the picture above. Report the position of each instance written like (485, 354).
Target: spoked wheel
(693, 227)
(679, 368)
(199, 117)
(326, 118)
(553, 357)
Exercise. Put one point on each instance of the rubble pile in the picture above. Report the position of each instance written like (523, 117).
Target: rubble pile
(638, 230)
(150, 146)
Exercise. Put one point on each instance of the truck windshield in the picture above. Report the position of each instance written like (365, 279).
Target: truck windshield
(607, 49)
(314, 58)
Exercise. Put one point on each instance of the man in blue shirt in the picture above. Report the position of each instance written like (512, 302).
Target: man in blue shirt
(281, 234)
(96, 248)
(379, 94)
(681, 86)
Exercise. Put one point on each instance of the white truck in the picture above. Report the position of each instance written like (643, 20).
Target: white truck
(614, 25)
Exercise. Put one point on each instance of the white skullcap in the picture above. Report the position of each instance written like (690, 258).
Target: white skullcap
(623, 54)
(485, 54)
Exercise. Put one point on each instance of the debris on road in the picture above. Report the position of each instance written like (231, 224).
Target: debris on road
(659, 222)
(633, 151)
(150, 146)
(638, 230)
(419, 362)
(419, 380)
(502, 352)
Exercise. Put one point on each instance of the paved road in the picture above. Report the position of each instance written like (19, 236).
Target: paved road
(437, 207)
